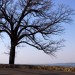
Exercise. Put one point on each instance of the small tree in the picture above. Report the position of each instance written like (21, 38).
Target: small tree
(32, 22)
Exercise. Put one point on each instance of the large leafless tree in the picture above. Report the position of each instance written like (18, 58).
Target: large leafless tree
(32, 22)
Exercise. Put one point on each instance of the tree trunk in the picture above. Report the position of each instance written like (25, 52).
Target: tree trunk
(12, 54)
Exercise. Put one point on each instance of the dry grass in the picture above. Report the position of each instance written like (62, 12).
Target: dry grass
(50, 68)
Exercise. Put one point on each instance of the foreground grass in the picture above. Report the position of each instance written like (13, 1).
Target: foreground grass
(50, 68)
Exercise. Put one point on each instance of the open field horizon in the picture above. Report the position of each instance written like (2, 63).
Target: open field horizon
(51, 64)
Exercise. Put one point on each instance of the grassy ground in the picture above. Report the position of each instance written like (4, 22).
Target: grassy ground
(19, 71)
(34, 67)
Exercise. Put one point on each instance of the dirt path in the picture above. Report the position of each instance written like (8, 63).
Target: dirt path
(31, 72)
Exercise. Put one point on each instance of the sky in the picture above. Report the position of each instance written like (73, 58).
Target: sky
(30, 55)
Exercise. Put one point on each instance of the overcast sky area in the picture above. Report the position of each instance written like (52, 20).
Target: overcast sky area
(30, 55)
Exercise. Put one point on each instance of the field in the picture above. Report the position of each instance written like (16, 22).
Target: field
(35, 70)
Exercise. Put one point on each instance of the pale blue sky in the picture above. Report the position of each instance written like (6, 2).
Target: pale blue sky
(30, 55)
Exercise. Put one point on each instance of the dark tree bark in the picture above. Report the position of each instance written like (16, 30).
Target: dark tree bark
(12, 53)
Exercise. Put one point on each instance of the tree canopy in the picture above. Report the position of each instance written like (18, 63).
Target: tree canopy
(33, 22)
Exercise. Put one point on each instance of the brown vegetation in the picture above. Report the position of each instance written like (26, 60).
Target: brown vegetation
(49, 68)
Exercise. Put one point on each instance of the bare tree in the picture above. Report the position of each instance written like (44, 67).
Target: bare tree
(32, 22)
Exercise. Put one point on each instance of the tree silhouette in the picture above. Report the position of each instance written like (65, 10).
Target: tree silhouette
(32, 22)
